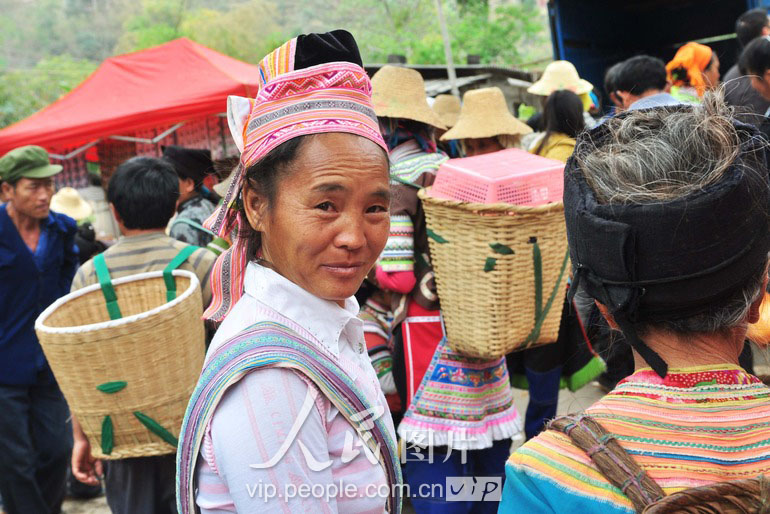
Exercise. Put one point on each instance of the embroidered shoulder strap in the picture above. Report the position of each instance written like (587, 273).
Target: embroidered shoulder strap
(751, 495)
(614, 463)
(268, 344)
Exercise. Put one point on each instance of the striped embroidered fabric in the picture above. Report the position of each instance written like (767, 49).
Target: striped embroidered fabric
(696, 427)
(377, 320)
(278, 62)
(398, 254)
(333, 97)
(409, 170)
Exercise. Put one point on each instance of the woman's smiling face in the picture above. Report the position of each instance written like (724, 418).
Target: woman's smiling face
(329, 219)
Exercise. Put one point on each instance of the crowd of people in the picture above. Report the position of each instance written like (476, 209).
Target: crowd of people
(328, 363)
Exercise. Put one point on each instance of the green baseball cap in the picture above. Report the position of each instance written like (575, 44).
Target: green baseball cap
(27, 162)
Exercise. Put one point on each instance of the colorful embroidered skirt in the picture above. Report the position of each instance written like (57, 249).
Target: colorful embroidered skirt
(453, 400)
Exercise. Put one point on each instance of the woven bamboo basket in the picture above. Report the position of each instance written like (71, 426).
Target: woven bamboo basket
(494, 297)
(137, 371)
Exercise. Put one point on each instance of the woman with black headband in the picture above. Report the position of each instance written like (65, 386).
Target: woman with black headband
(667, 219)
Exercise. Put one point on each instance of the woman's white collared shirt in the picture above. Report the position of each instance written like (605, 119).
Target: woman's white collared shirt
(325, 466)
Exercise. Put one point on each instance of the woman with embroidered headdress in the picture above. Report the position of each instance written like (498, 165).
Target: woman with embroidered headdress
(288, 399)
(693, 70)
(668, 222)
(459, 418)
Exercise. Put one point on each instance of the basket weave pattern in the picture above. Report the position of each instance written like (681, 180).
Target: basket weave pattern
(488, 297)
(157, 353)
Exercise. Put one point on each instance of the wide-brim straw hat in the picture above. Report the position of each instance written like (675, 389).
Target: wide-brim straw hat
(68, 201)
(557, 76)
(485, 114)
(399, 92)
(222, 187)
(447, 107)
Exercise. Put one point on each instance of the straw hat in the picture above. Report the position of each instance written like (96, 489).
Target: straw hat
(485, 114)
(447, 107)
(400, 93)
(560, 75)
(68, 201)
(222, 187)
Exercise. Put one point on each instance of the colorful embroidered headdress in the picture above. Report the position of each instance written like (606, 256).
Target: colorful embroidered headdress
(312, 84)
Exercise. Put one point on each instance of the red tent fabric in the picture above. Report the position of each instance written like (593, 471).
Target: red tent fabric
(169, 83)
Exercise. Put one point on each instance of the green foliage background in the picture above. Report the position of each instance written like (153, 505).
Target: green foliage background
(47, 47)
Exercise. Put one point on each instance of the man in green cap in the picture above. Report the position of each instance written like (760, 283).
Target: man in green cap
(38, 258)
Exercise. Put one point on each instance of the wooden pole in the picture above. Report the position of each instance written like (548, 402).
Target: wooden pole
(450, 66)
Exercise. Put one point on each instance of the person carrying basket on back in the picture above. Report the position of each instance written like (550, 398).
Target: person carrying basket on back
(142, 195)
(460, 418)
(570, 360)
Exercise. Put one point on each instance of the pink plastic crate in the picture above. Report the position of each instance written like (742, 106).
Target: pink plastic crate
(509, 176)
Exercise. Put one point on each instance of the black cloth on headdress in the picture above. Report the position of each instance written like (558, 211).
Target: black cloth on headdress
(189, 163)
(334, 46)
(665, 261)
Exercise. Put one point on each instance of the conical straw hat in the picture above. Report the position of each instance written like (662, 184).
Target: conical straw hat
(560, 75)
(68, 201)
(447, 107)
(485, 114)
(400, 93)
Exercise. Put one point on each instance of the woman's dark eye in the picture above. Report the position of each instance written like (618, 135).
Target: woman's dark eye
(377, 208)
(325, 206)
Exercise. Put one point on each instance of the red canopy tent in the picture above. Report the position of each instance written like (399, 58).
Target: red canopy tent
(138, 97)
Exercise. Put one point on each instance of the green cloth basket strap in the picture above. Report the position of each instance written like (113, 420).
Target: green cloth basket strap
(103, 274)
(218, 245)
(193, 224)
(168, 275)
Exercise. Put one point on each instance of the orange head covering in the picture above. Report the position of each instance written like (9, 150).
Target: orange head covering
(693, 58)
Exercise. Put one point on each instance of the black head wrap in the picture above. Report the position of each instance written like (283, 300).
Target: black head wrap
(334, 46)
(189, 163)
(668, 260)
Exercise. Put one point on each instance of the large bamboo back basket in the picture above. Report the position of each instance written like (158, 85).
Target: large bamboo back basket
(501, 273)
(139, 370)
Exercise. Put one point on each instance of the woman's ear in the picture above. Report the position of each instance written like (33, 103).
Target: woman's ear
(255, 207)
